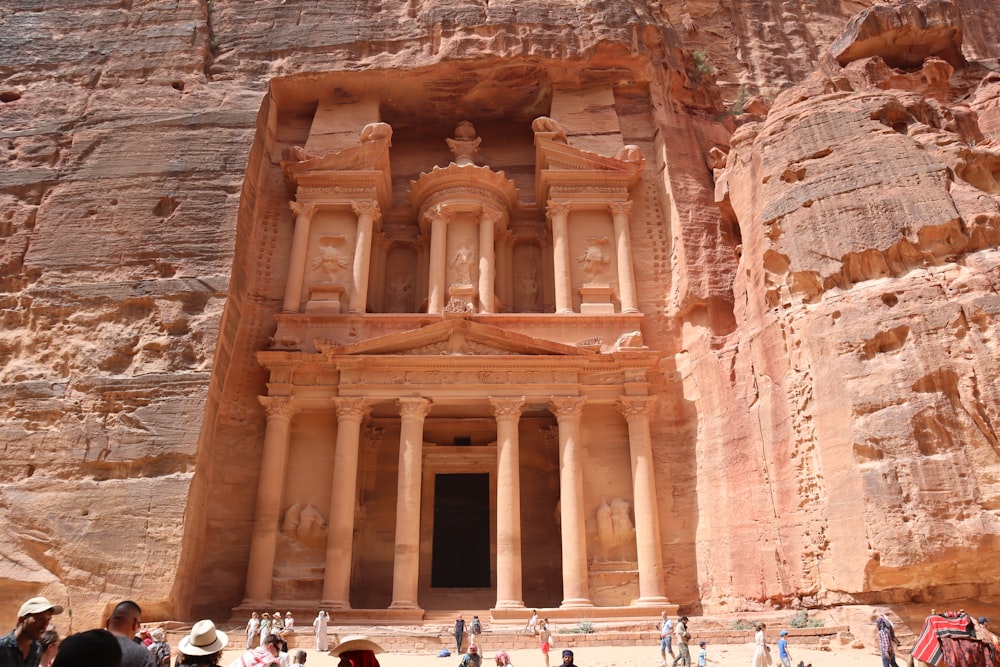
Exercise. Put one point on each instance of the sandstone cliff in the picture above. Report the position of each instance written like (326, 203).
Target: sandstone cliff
(828, 307)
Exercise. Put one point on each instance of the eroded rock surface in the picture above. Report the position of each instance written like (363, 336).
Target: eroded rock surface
(828, 421)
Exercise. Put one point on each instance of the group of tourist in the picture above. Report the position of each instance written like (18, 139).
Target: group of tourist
(260, 626)
(122, 642)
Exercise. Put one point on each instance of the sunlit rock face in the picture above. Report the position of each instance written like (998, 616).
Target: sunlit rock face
(826, 306)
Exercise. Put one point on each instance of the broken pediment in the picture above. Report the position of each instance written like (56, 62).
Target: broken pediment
(568, 169)
(353, 169)
(455, 337)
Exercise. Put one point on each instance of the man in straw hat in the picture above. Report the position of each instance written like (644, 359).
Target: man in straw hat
(21, 647)
(203, 646)
(356, 651)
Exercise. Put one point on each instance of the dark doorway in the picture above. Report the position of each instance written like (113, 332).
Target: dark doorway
(461, 557)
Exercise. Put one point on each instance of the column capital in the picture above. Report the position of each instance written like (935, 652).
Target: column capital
(438, 212)
(620, 208)
(567, 407)
(507, 408)
(413, 406)
(554, 208)
(279, 407)
(635, 406)
(351, 407)
(307, 209)
(369, 207)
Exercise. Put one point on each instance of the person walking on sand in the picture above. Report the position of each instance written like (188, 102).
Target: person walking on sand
(546, 636)
(666, 639)
(702, 654)
(761, 653)
(459, 633)
(886, 645)
(475, 629)
(682, 636)
(783, 654)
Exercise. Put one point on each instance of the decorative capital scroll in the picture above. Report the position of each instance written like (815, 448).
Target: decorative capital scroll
(567, 407)
(554, 208)
(620, 208)
(439, 212)
(308, 209)
(635, 406)
(278, 407)
(507, 408)
(351, 408)
(369, 208)
(413, 406)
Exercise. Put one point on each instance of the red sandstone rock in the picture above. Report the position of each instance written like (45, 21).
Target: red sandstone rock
(828, 429)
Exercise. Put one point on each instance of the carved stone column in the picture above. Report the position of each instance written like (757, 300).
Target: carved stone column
(340, 537)
(508, 415)
(487, 261)
(623, 247)
(297, 262)
(636, 410)
(270, 490)
(380, 249)
(366, 211)
(576, 585)
(505, 272)
(438, 263)
(406, 566)
(559, 213)
(420, 289)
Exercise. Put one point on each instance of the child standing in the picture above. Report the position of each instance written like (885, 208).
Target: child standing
(702, 655)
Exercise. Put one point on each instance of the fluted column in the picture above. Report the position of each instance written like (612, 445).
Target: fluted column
(340, 536)
(636, 410)
(438, 263)
(406, 566)
(559, 213)
(504, 269)
(576, 586)
(270, 490)
(297, 262)
(367, 212)
(508, 416)
(487, 261)
(623, 246)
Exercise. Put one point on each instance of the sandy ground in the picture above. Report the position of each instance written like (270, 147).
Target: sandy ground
(722, 655)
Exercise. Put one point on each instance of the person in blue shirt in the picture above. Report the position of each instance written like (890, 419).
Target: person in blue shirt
(783, 654)
(702, 654)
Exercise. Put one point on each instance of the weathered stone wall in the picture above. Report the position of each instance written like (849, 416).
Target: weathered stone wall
(828, 392)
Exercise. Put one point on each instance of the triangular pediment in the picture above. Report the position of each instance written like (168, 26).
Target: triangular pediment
(456, 337)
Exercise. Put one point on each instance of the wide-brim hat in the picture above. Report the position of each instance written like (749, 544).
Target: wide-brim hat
(355, 643)
(37, 606)
(205, 639)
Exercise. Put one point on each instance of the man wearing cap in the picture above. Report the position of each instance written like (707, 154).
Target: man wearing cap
(123, 624)
(567, 657)
(22, 648)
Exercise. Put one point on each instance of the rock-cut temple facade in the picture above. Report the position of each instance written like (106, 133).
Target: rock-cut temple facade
(458, 404)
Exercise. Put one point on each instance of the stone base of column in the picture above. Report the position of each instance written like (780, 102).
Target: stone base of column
(404, 604)
(335, 605)
(651, 601)
(573, 603)
(509, 604)
(253, 603)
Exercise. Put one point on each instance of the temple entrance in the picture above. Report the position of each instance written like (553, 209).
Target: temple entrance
(461, 551)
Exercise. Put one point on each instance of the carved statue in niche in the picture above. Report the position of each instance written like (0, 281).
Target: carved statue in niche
(399, 293)
(465, 145)
(331, 259)
(462, 264)
(615, 529)
(593, 260)
(527, 282)
(304, 524)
